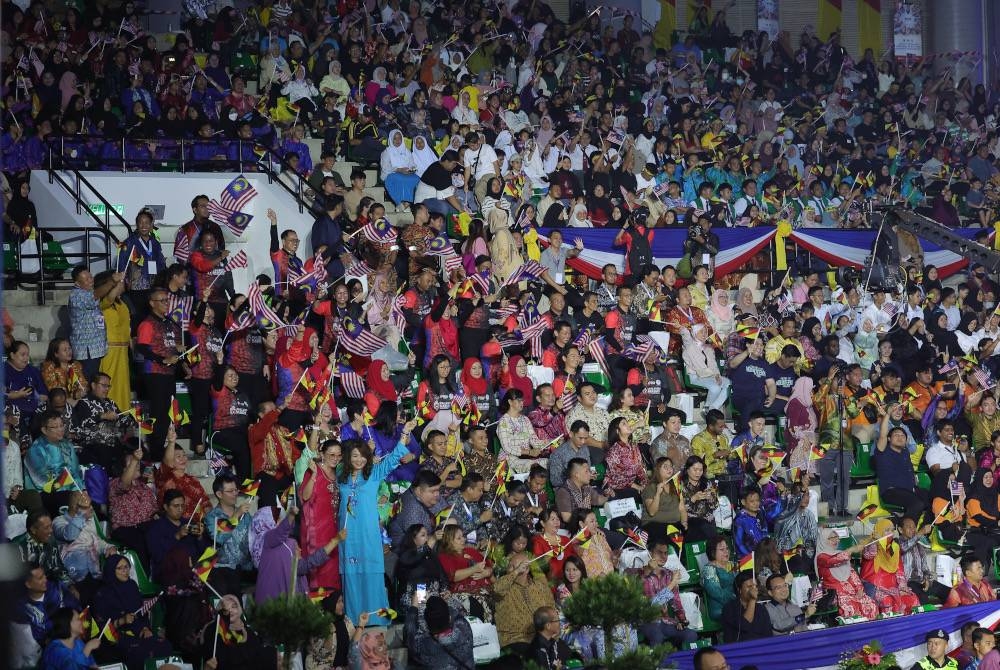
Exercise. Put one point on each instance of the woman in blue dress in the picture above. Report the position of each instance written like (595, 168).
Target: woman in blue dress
(66, 649)
(361, 560)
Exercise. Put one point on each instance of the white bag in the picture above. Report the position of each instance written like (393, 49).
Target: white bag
(692, 609)
(540, 375)
(684, 402)
(485, 641)
(632, 558)
(724, 513)
(17, 524)
(944, 567)
(801, 588)
(616, 508)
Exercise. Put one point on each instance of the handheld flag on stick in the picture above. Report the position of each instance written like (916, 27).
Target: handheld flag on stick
(178, 417)
(746, 563)
(867, 511)
(62, 481)
(203, 566)
(250, 487)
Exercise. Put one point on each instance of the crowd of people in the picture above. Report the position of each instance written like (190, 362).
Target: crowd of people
(448, 418)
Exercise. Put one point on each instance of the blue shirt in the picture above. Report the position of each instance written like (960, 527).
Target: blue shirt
(748, 378)
(893, 469)
(87, 335)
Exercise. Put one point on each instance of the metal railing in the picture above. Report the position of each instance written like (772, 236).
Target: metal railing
(93, 152)
(47, 267)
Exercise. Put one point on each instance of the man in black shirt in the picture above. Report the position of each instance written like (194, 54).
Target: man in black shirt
(744, 618)
(866, 132)
(435, 189)
(842, 142)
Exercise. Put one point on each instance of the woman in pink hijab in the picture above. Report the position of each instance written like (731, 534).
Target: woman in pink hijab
(800, 431)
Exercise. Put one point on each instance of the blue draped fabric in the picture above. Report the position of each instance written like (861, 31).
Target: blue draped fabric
(815, 649)
(668, 242)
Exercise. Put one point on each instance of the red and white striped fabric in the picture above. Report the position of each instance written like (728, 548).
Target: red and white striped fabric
(259, 307)
(238, 260)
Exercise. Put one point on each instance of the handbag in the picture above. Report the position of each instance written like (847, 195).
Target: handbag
(691, 602)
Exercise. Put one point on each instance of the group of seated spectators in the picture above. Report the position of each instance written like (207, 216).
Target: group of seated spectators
(460, 407)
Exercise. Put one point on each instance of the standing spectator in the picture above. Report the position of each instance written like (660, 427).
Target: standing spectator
(139, 275)
(158, 341)
(87, 334)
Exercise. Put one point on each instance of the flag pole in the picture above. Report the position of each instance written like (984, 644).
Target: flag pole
(215, 643)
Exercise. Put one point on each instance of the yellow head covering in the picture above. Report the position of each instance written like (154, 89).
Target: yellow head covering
(886, 557)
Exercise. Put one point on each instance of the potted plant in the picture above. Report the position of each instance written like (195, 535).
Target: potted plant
(290, 621)
(616, 600)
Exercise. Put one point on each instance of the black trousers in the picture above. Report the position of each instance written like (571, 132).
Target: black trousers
(201, 408)
(159, 390)
(913, 502)
(234, 442)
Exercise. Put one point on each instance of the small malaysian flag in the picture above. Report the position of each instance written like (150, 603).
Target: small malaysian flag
(260, 308)
(638, 352)
(359, 269)
(244, 321)
(949, 367)
(889, 308)
(238, 260)
(983, 378)
(582, 339)
(379, 231)
(532, 334)
(351, 382)
(528, 271)
(568, 397)
(615, 137)
(216, 461)
(319, 268)
(505, 313)
(357, 340)
(396, 315)
(147, 605)
(179, 307)
(596, 349)
(182, 248)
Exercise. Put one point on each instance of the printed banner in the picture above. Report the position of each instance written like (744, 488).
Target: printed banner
(767, 17)
(906, 36)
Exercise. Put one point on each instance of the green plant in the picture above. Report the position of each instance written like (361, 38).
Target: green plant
(607, 602)
(291, 622)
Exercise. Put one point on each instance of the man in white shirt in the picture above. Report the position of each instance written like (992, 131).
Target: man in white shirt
(747, 198)
(482, 159)
(944, 452)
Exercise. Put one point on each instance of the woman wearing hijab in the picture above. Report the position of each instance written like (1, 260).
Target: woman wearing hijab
(399, 170)
(810, 337)
(947, 507)
(943, 338)
(515, 376)
(331, 652)
(969, 334)
(503, 249)
(476, 386)
(720, 314)
(802, 422)
(599, 207)
(580, 217)
(423, 154)
(982, 513)
(279, 552)
(882, 568)
(744, 301)
(833, 568)
(119, 600)
(380, 387)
